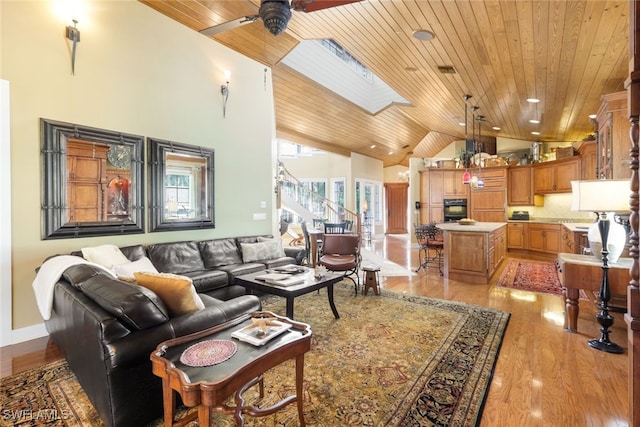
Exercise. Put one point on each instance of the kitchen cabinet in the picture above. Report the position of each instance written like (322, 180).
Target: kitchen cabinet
(613, 137)
(544, 237)
(589, 162)
(453, 188)
(86, 181)
(516, 235)
(431, 196)
(556, 176)
(473, 252)
(497, 249)
(520, 186)
(489, 204)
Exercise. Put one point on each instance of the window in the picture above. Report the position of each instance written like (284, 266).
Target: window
(369, 199)
(338, 191)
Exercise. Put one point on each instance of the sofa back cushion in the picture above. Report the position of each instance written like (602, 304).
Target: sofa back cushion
(269, 249)
(176, 258)
(219, 252)
(135, 306)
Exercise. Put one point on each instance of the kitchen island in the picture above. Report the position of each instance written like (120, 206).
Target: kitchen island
(473, 252)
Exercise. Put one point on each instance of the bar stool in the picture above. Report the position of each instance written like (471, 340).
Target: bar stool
(371, 278)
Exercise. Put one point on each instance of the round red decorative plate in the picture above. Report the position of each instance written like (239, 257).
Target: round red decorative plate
(207, 353)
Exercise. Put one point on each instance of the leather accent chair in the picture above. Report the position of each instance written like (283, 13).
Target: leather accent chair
(341, 252)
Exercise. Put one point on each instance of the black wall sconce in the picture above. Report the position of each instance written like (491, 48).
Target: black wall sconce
(73, 34)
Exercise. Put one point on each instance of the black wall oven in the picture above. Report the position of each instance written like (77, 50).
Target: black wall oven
(455, 209)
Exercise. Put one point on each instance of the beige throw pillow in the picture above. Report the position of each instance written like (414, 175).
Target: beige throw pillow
(176, 292)
(105, 255)
(270, 249)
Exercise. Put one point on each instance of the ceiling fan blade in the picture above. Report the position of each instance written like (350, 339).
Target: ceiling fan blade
(230, 25)
(313, 5)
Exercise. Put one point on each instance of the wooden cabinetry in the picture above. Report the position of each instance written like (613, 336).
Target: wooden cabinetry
(520, 186)
(588, 163)
(489, 204)
(86, 181)
(497, 249)
(432, 184)
(544, 237)
(556, 176)
(613, 137)
(453, 188)
(516, 235)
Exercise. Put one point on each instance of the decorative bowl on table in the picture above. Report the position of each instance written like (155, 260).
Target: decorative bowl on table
(466, 221)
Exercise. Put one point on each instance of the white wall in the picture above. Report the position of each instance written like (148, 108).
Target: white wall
(138, 72)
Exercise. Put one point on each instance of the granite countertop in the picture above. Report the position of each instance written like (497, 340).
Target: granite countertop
(571, 224)
(478, 227)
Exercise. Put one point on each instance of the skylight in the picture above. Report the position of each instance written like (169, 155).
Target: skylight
(329, 64)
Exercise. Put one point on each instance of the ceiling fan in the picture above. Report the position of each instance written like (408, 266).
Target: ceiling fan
(275, 14)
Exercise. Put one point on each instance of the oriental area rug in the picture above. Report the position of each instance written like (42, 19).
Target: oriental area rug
(390, 360)
(532, 276)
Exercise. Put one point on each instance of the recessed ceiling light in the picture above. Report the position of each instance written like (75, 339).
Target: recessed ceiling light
(373, 146)
(533, 100)
(390, 152)
(461, 123)
(534, 121)
(423, 35)
(592, 116)
(496, 128)
(535, 133)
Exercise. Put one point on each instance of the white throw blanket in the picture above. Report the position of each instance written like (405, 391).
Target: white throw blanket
(49, 274)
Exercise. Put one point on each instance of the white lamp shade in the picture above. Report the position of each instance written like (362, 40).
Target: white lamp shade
(601, 195)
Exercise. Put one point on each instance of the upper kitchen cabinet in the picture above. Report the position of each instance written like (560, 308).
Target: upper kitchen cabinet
(453, 187)
(556, 176)
(613, 137)
(589, 166)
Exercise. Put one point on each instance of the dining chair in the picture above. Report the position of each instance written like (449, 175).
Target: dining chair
(334, 228)
(341, 252)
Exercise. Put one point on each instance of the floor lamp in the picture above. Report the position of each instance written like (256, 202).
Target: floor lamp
(603, 197)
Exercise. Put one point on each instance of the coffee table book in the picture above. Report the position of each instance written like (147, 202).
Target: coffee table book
(281, 279)
(254, 335)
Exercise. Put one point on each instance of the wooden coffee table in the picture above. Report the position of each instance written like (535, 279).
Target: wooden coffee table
(310, 284)
(209, 387)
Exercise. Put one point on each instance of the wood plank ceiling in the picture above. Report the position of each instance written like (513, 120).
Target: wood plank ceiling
(566, 53)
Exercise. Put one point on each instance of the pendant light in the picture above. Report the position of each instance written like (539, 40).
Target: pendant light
(480, 180)
(466, 176)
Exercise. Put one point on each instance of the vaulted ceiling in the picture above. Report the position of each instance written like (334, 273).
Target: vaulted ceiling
(566, 53)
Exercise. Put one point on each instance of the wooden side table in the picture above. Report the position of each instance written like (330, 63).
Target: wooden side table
(208, 388)
(585, 272)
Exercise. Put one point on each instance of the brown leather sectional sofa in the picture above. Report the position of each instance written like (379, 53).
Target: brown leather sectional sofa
(107, 328)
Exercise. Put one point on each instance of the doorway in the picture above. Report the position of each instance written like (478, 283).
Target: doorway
(396, 207)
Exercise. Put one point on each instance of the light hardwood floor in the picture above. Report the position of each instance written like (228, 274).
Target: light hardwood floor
(544, 375)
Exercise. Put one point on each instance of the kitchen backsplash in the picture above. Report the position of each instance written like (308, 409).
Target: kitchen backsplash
(555, 206)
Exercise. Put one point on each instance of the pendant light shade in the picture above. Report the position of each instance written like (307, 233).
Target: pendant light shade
(466, 177)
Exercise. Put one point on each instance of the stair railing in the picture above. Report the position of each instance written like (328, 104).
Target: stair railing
(320, 206)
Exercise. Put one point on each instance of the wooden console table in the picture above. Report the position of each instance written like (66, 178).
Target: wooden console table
(585, 272)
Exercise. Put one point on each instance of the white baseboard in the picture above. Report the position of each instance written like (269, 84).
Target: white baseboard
(17, 336)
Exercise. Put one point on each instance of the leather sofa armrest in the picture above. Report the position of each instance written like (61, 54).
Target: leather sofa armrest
(214, 313)
(296, 253)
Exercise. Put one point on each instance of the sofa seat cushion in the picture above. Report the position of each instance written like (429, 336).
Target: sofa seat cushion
(176, 258)
(176, 292)
(135, 306)
(218, 252)
(240, 269)
(278, 262)
(207, 280)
